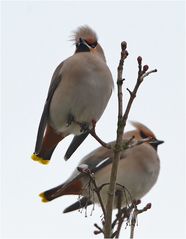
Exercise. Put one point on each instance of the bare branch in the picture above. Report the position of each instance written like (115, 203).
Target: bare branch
(148, 73)
(135, 213)
(99, 229)
(117, 149)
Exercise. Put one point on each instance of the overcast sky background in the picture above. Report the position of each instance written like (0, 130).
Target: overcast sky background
(35, 39)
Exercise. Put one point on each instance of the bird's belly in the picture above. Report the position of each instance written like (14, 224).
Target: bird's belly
(132, 185)
(77, 105)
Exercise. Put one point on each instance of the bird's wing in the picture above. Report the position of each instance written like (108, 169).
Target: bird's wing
(100, 158)
(44, 117)
(95, 161)
(97, 157)
(77, 140)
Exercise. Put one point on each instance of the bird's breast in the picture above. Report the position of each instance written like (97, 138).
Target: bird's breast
(83, 92)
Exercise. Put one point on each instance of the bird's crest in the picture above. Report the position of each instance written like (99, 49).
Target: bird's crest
(86, 33)
(143, 130)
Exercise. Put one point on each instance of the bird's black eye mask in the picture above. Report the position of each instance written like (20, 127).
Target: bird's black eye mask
(82, 41)
(143, 135)
(84, 46)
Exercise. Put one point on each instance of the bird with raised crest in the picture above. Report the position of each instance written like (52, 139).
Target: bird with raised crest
(79, 91)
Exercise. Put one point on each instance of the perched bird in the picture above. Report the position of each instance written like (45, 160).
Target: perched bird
(138, 171)
(78, 95)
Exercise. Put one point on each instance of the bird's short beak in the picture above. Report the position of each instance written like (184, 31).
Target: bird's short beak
(157, 142)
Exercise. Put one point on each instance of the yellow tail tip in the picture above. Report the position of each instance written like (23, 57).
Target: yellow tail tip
(39, 159)
(43, 198)
(44, 161)
(35, 157)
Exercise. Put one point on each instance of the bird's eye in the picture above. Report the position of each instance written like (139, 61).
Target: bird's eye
(89, 44)
(143, 135)
(92, 45)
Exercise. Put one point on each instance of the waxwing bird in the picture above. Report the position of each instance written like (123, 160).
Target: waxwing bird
(137, 173)
(78, 94)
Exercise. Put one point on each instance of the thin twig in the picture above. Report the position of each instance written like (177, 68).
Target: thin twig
(133, 223)
(97, 191)
(120, 221)
(99, 229)
(141, 76)
(88, 172)
(94, 135)
(135, 213)
(124, 213)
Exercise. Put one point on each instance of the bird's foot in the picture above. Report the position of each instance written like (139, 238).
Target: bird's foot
(70, 119)
(84, 127)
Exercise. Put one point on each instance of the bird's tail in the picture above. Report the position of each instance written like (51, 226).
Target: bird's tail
(48, 145)
(52, 193)
(72, 188)
(44, 155)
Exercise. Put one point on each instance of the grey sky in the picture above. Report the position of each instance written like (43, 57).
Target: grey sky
(35, 39)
